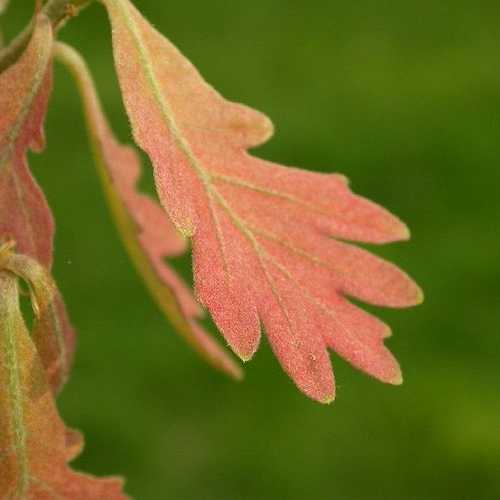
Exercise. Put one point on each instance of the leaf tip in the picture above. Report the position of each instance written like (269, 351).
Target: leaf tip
(329, 399)
(419, 296)
(244, 355)
(397, 379)
(404, 232)
(342, 178)
(268, 128)
(387, 332)
(415, 295)
(324, 393)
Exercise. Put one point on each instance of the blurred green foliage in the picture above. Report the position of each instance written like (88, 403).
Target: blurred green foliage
(403, 98)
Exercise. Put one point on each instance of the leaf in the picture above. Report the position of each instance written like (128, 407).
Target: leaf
(147, 233)
(52, 332)
(267, 240)
(35, 445)
(25, 217)
(54, 338)
(24, 214)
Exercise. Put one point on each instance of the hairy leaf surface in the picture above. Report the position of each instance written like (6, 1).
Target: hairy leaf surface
(35, 445)
(24, 91)
(146, 230)
(25, 217)
(52, 332)
(268, 241)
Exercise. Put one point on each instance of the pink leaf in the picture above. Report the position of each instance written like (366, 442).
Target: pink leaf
(35, 445)
(24, 214)
(25, 217)
(147, 232)
(266, 243)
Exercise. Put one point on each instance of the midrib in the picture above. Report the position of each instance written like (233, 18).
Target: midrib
(164, 107)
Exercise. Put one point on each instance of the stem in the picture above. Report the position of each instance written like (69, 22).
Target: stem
(57, 11)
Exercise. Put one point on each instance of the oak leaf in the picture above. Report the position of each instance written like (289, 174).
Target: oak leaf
(35, 445)
(24, 92)
(146, 230)
(25, 217)
(268, 241)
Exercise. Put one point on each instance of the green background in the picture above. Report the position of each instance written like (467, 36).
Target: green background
(402, 97)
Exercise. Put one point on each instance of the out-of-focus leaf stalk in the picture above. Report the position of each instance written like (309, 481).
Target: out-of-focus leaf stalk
(3, 8)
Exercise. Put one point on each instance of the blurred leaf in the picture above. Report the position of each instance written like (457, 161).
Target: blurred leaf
(3, 6)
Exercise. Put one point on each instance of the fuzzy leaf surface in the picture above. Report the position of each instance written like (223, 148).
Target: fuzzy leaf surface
(25, 216)
(24, 91)
(52, 332)
(268, 241)
(35, 445)
(145, 228)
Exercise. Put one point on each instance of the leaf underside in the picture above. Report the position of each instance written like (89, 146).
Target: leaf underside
(146, 230)
(25, 217)
(269, 242)
(35, 445)
(24, 214)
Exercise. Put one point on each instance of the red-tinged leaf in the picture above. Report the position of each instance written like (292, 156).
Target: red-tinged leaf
(146, 230)
(74, 443)
(266, 243)
(25, 88)
(35, 445)
(52, 332)
(25, 217)
(54, 338)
